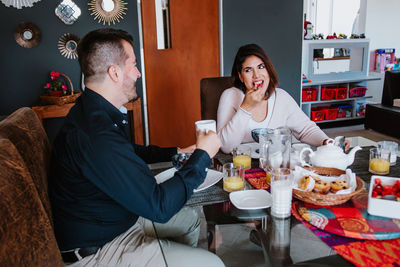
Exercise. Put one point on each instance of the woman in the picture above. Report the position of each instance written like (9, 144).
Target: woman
(256, 102)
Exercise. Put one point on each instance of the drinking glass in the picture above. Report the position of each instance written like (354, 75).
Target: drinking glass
(379, 161)
(393, 147)
(242, 157)
(281, 189)
(233, 177)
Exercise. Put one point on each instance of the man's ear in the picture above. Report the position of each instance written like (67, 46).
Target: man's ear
(114, 73)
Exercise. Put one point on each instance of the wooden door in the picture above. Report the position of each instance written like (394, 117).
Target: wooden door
(173, 75)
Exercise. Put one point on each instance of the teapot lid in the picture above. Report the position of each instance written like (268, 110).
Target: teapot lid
(329, 150)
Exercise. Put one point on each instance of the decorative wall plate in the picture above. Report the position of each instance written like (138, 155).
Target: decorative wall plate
(67, 44)
(19, 3)
(107, 11)
(67, 11)
(27, 35)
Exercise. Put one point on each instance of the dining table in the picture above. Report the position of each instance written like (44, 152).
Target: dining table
(277, 237)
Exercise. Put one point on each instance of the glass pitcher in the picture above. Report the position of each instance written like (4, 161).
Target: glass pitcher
(279, 143)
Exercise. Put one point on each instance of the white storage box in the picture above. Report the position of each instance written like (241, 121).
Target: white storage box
(383, 207)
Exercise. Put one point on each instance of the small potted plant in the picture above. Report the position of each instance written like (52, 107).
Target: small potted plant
(55, 87)
(56, 90)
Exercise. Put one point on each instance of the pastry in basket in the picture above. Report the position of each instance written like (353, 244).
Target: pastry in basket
(315, 178)
(322, 187)
(307, 183)
(338, 185)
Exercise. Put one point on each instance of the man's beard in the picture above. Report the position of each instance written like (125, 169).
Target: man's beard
(131, 92)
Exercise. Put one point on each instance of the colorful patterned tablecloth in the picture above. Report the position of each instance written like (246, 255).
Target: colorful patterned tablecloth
(350, 220)
(360, 252)
(257, 178)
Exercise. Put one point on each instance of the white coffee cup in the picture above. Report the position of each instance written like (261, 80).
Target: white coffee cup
(206, 125)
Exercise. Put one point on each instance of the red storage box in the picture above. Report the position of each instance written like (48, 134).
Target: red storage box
(318, 114)
(309, 94)
(331, 113)
(328, 93)
(341, 93)
(358, 91)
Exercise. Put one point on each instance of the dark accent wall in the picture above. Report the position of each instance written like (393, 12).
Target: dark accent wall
(24, 72)
(275, 25)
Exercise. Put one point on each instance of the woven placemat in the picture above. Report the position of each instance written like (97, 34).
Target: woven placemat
(212, 195)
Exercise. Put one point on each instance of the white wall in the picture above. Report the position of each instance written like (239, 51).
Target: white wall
(382, 28)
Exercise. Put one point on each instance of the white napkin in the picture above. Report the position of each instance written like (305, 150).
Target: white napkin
(349, 177)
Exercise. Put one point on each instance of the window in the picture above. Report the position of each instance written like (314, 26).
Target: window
(329, 16)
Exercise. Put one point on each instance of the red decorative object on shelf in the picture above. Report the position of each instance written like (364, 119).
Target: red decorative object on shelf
(324, 113)
(318, 114)
(328, 93)
(331, 113)
(358, 91)
(341, 93)
(309, 94)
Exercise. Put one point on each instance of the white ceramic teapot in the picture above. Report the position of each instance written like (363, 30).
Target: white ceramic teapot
(329, 155)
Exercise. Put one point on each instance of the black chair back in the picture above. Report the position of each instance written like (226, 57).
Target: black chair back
(391, 87)
(210, 92)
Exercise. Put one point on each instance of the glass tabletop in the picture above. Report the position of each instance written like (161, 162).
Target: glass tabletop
(282, 241)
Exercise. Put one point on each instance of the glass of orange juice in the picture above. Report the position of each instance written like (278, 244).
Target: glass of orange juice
(242, 156)
(233, 177)
(379, 161)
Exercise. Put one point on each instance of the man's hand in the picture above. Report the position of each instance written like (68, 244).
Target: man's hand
(189, 149)
(209, 142)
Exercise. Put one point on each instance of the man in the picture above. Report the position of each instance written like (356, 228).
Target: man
(104, 197)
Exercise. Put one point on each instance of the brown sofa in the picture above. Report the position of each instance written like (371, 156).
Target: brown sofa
(26, 233)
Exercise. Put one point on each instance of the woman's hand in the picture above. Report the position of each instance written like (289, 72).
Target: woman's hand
(346, 145)
(252, 98)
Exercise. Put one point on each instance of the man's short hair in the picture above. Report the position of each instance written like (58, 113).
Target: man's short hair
(100, 49)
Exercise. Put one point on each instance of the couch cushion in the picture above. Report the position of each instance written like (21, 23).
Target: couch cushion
(24, 129)
(26, 235)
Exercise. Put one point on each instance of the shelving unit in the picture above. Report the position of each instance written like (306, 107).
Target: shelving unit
(348, 71)
(361, 81)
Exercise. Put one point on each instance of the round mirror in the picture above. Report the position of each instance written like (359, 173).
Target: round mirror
(27, 35)
(107, 5)
(71, 45)
(68, 44)
(108, 11)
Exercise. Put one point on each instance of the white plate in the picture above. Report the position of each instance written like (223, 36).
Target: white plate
(211, 179)
(254, 147)
(251, 199)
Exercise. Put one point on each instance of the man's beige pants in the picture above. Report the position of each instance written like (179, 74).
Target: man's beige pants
(139, 245)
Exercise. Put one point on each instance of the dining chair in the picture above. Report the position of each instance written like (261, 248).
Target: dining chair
(210, 92)
(391, 88)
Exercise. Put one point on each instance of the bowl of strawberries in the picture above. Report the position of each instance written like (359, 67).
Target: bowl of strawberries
(384, 196)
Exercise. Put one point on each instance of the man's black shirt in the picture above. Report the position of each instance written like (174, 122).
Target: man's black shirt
(100, 182)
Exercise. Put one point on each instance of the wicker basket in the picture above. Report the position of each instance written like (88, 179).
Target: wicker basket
(327, 200)
(61, 100)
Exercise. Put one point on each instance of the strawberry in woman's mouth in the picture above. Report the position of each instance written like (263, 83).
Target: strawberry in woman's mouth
(258, 84)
